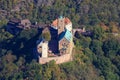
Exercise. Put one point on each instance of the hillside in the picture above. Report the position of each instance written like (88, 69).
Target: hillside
(95, 57)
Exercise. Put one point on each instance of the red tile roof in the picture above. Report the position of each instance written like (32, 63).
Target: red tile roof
(67, 20)
(55, 22)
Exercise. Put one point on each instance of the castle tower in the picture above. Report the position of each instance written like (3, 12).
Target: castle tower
(42, 48)
(45, 49)
(83, 29)
(64, 27)
(61, 24)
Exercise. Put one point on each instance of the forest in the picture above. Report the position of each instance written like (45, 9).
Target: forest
(95, 57)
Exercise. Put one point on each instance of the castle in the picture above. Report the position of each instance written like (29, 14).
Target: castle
(56, 42)
(60, 45)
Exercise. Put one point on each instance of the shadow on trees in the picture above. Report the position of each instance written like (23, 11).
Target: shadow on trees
(22, 47)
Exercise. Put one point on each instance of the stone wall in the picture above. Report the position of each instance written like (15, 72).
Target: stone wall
(59, 59)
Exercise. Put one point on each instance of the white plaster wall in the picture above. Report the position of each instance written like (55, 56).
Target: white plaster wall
(45, 50)
(69, 26)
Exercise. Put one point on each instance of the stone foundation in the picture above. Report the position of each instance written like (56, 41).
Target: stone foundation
(59, 59)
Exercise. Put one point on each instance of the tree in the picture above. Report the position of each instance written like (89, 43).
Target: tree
(98, 32)
(8, 68)
(96, 47)
(111, 47)
(33, 71)
(46, 36)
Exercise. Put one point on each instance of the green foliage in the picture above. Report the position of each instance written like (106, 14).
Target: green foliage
(98, 32)
(3, 23)
(28, 33)
(102, 53)
(8, 68)
(5, 35)
(89, 53)
(77, 69)
(111, 47)
(82, 41)
(96, 58)
(80, 12)
(96, 47)
(46, 36)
